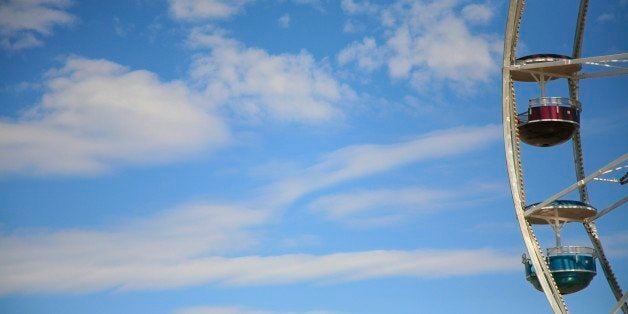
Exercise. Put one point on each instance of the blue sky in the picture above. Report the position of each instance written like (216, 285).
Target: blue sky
(294, 156)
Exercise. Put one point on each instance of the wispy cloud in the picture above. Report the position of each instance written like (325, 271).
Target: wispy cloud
(195, 10)
(427, 42)
(477, 13)
(605, 17)
(197, 244)
(83, 260)
(80, 262)
(23, 23)
(217, 10)
(241, 310)
(284, 20)
(96, 113)
(358, 161)
(341, 206)
(122, 28)
(255, 84)
(367, 54)
(353, 7)
(365, 207)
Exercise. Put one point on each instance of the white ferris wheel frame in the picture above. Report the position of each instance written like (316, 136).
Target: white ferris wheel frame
(609, 65)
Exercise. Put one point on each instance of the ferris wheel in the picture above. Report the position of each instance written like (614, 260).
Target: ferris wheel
(547, 121)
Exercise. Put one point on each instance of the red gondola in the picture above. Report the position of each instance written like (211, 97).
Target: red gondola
(549, 121)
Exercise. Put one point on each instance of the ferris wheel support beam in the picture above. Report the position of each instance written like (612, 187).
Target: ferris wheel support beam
(574, 91)
(609, 209)
(623, 158)
(598, 60)
(513, 162)
(603, 74)
(620, 304)
(589, 226)
(606, 266)
(551, 69)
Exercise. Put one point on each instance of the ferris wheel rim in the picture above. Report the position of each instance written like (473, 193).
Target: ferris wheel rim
(540, 73)
(511, 146)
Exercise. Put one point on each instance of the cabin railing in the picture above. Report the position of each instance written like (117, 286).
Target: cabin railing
(563, 250)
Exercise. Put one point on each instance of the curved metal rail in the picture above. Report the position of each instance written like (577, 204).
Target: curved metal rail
(513, 160)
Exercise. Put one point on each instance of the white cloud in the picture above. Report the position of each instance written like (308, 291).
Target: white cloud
(284, 20)
(605, 17)
(317, 5)
(22, 22)
(174, 250)
(477, 13)
(351, 27)
(27, 40)
(366, 53)
(239, 310)
(255, 84)
(427, 42)
(353, 266)
(438, 45)
(96, 114)
(449, 51)
(363, 160)
(386, 202)
(382, 207)
(354, 8)
(193, 10)
(83, 260)
(121, 28)
(363, 7)
(220, 310)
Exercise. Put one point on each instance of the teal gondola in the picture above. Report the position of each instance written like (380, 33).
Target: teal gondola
(573, 268)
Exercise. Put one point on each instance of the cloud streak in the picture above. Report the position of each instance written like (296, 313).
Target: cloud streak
(198, 10)
(81, 260)
(23, 23)
(30, 268)
(239, 310)
(386, 206)
(358, 161)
